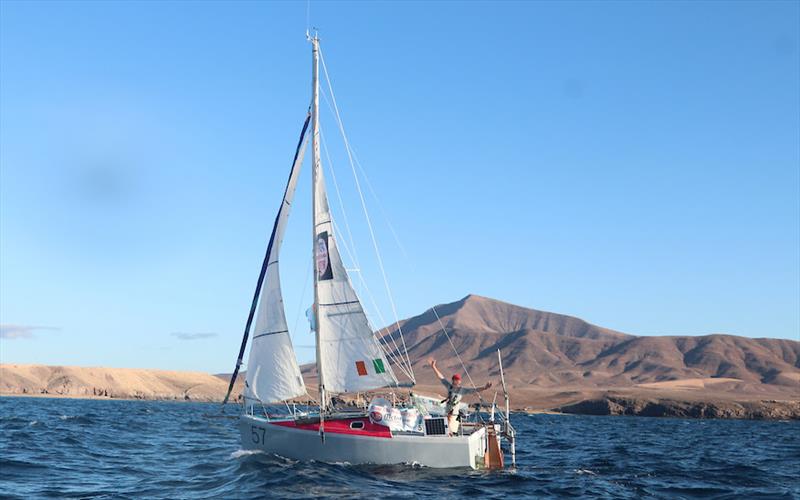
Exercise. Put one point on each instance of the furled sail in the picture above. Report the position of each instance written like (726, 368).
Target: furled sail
(272, 370)
(349, 355)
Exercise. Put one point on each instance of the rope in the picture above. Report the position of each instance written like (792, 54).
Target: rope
(364, 206)
(302, 298)
(353, 254)
(383, 321)
(380, 207)
(463, 366)
(354, 160)
(350, 249)
(386, 219)
(408, 260)
(400, 364)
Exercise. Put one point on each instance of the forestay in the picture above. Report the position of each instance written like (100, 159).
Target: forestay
(272, 370)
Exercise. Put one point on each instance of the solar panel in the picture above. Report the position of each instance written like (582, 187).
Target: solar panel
(434, 427)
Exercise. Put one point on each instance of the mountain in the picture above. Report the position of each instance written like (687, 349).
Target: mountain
(548, 350)
(478, 326)
(551, 361)
(529, 340)
(554, 360)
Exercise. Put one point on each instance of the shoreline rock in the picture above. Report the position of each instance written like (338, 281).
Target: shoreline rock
(661, 407)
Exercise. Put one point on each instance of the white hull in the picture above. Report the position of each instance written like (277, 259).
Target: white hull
(302, 444)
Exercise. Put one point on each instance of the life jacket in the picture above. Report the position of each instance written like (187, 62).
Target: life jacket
(452, 400)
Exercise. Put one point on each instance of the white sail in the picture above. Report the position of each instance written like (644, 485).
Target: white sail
(349, 355)
(349, 358)
(272, 370)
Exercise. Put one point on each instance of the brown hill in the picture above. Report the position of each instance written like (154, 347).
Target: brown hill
(554, 352)
(123, 383)
(551, 361)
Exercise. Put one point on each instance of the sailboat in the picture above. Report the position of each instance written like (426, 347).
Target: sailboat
(350, 358)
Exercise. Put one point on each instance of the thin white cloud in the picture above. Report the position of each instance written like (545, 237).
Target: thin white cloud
(12, 332)
(193, 336)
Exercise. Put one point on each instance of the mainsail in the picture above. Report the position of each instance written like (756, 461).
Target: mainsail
(349, 357)
(272, 370)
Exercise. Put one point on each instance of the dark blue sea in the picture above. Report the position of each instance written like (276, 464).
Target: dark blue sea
(62, 448)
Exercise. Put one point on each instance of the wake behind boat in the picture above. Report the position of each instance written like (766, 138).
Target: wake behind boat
(350, 358)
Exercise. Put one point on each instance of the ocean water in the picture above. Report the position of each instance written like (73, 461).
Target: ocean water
(60, 448)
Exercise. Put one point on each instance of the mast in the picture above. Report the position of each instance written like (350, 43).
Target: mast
(349, 356)
(315, 166)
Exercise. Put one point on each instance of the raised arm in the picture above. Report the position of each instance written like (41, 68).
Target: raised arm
(437, 372)
(467, 390)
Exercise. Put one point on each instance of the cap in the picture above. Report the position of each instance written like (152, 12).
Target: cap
(456, 376)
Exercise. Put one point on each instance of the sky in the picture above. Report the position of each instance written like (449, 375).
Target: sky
(635, 164)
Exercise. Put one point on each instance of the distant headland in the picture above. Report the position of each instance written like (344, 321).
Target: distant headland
(552, 362)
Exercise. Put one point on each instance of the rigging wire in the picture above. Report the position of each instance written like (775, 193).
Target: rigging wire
(463, 366)
(370, 295)
(354, 256)
(385, 348)
(380, 207)
(364, 205)
(402, 364)
(302, 297)
(353, 162)
(410, 264)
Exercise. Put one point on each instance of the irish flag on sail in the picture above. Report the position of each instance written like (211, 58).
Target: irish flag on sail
(377, 364)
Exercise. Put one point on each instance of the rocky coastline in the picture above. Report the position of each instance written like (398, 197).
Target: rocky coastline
(662, 407)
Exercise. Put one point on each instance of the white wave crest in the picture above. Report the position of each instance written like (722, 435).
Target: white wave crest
(244, 453)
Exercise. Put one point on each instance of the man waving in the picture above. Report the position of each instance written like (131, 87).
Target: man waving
(455, 391)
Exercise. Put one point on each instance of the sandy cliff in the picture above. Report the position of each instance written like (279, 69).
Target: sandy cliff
(124, 383)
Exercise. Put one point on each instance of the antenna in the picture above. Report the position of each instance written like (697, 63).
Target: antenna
(308, 18)
(310, 28)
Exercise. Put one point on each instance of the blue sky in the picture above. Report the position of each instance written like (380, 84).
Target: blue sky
(635, 164)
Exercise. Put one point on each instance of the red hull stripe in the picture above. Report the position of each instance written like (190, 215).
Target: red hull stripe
(342, 426)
